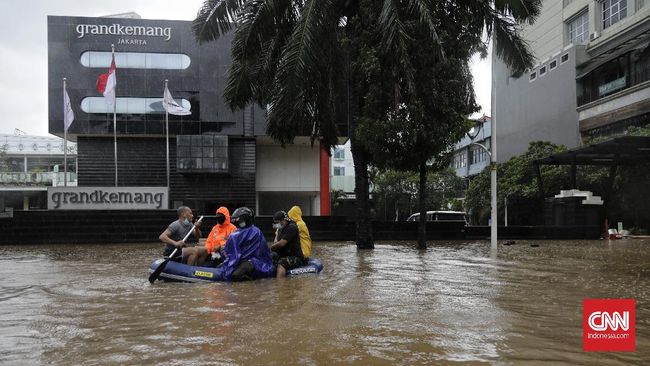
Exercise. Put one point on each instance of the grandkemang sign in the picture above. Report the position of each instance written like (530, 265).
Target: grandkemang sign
(107, 198)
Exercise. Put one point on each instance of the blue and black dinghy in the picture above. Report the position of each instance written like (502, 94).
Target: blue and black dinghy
(179, 272)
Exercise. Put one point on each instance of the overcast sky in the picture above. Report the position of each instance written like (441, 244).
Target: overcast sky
(23, 52)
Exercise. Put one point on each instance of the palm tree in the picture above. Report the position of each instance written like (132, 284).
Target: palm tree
(305, 59)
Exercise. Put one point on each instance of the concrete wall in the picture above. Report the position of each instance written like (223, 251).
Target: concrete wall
(547, 34)
(294, 168)
(286, 177)
(542, 109)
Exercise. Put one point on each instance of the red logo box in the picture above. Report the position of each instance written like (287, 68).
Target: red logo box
(608, 325)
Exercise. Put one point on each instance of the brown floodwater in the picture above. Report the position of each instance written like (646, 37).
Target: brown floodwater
(451, 304)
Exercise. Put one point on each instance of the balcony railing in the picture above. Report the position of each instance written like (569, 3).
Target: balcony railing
(40, 179)
(594, 93)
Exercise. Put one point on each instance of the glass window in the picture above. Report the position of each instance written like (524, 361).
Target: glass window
(128, 105)
(613, 11)
(339, 171)
(339, 154)
(542, 70)
(552, 65)
(477, 154)
(578, 29)
(202, 154)
(136, 60)
(533, 76)
(460, 160)
(16, 164)
(564, 58)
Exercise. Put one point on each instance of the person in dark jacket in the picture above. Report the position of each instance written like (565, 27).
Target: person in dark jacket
(286, 246)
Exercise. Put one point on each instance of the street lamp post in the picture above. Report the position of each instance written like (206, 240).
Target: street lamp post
(472, 134)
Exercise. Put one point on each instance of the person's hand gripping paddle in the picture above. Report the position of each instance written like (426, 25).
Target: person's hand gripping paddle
(154, 276)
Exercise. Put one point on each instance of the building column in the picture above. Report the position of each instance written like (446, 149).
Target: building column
(324, 181)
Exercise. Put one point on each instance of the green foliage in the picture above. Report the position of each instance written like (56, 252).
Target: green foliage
(336, 197)
(629, 200)
(399, 70)
(294, 55)
(630, 131)
(516, 180)
(396, 193)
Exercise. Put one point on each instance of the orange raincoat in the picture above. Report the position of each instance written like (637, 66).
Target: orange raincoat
(219, 233)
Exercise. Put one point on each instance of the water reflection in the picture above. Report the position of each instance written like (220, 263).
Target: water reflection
(392, 305)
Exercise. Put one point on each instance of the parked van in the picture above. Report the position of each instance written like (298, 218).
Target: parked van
(454, 216)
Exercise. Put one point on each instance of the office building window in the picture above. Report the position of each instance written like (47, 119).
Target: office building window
(202, 154)
(128, 105)
(613, 11)
(339, 154)
(339, 171)
(578, 29)
(542, 70)
(533, 76)
(136, 60)
(552, 65)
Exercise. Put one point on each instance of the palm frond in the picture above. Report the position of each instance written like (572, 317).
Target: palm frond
(520, 10)
(422, 8)
(395, 40)
(215, 18)
(301, 65)
(510, 46)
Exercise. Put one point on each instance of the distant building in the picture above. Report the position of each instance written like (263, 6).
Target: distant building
(30, 164)
(217, 157)
(342, 173)
(470, 158)
(592, 76)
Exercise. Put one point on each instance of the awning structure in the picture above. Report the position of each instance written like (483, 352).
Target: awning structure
(626, 150)
(619, 151)
(639, 42)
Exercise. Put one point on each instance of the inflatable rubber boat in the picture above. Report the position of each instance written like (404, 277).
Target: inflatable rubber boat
(179, 272)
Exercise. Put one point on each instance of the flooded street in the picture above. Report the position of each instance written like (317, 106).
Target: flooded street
(92, 305)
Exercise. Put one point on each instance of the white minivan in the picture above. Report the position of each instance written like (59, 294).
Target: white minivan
(453, 216)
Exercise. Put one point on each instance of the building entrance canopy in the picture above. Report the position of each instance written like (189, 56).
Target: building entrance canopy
(626, 150)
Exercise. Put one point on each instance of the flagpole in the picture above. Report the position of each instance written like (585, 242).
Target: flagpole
(167, 137)
(114, 121)
(65, 142)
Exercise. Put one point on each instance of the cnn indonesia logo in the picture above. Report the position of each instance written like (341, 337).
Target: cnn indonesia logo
(608, 325)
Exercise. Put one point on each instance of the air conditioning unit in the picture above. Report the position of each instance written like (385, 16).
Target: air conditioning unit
(594, 35)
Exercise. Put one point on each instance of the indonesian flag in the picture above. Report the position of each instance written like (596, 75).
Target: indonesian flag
(68, 114)
(171, 106)
(106, 83)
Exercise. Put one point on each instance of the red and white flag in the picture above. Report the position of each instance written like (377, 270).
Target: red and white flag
(106, 83)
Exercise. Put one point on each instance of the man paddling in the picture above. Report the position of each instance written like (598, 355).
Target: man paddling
(174, 234)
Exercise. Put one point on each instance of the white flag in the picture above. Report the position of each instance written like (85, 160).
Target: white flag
(68, 114)
(172, 107)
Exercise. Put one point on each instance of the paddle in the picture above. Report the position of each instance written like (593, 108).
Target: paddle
(154, 276)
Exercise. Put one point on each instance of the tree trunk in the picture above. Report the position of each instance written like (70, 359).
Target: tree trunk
(422, 226)
(363, 224)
